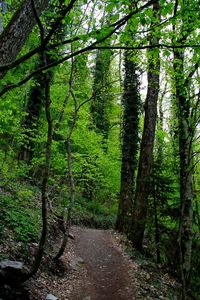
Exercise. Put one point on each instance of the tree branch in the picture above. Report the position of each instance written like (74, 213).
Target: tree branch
(56, 24)
(42, 46)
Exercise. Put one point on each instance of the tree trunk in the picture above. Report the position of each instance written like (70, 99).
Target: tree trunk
(100, 99)
(186, 179)
(157, 231)
(71, 186)
(146, 150)
(42, 242)
(131, 103)
(36, 98)
(17, 31)
(47, 81)
(30, 122)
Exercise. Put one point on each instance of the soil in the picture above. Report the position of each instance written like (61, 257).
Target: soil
(107, 269)
(96, 267)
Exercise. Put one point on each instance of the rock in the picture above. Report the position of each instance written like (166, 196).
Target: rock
(17, 265)
(11, 271)
(77, 263)
(51, 297)
(18, 293)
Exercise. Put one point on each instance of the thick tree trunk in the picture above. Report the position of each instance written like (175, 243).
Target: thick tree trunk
(100, 98)
(17, 31)
(186, 179)
(146, 150)
(131, 103)
(30, 122)
(99, 112)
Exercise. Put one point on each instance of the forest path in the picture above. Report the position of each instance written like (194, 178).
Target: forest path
(95, 267)
(107, 269)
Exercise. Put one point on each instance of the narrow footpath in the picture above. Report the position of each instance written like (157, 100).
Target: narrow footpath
(96, 267)
(107, 269)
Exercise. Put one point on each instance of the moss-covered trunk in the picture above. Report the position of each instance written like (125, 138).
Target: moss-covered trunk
(131, 105)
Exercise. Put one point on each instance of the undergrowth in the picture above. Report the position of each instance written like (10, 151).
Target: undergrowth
(20, 215)
(93, 214)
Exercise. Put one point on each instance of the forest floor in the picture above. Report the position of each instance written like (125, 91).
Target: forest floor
(96, 267)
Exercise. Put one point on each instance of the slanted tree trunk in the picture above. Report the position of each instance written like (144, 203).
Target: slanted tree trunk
(44, 187)
(36, 99)
(17, 31)
(45, 178)
(71, 183)
(131, 105)
(147, 143)
(71, 186)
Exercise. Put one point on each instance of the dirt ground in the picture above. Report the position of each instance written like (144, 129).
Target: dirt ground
(107, 269)
(95, 267)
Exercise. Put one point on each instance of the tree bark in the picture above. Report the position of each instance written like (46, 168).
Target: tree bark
(157, 231)
(71, 186)
(47, 82)
(30, 121)
(100, 92)
(17, 31)
(186, 179)
(71, 183)
(146, 150)
(131, 103)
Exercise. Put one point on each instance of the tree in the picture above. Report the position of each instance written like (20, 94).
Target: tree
(36, 96)
(186, 133)
(146, 149)
(100, 99)
(30, 121)
(94, 146)
(130, 124)
(17, 31)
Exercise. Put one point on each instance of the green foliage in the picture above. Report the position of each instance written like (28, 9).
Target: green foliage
(93, 214)
(96, 140)
(17, 214)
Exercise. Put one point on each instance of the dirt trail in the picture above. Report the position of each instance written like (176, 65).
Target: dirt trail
(106, 268)
(95, 267)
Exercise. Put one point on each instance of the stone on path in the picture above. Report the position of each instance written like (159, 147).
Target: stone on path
(51, 297)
